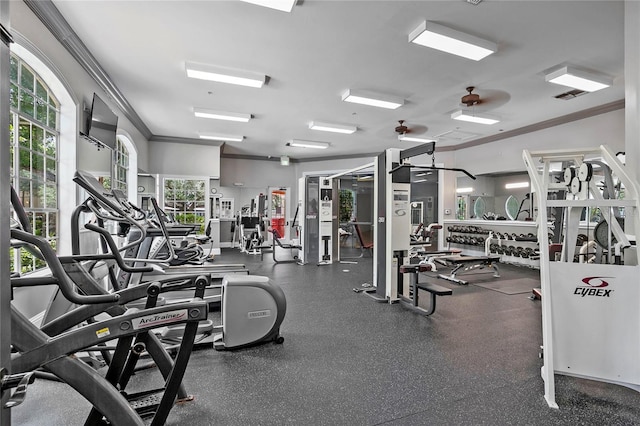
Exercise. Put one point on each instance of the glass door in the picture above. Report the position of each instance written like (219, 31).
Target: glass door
(278, 212)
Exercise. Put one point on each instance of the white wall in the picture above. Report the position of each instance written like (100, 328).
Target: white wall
(331, 166)
(506, 154)
(256, 173)
(184, 159)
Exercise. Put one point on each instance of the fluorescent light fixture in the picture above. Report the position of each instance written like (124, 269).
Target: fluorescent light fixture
(578, 79)
(284, 160)
(464, 190)
(412, 139)
(224, 75)
(307, 144)
(474, 117)
(372, 99)
(221, 115)
(515, 185)
(282, 5)
(220, 137)
(419, 181)
(448, 40)
(336, 128)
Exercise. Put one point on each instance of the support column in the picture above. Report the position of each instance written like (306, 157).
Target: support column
(5, 289)
(632, 84)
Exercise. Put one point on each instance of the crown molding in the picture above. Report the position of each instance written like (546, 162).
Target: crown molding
(575, 116)
(192, 141)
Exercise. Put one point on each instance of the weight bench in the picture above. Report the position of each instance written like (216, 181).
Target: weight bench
(465, 264)
(428, 257)
(291, 247)
(433, 289)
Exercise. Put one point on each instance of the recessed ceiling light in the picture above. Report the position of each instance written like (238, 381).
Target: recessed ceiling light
(578, 79)
(221, 115)
(307, 144)
(448, 40)
(336, 128)
(224, 75)
(475, 117)
(282, 5)
(221, 137)
(372, 99)
(412, 139)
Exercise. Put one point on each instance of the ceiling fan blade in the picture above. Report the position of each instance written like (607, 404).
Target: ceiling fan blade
(417, 129)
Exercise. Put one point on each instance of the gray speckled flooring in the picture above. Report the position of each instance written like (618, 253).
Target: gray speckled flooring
(348, 360)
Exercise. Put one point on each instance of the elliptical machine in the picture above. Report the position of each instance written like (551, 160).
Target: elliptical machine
(253, 308)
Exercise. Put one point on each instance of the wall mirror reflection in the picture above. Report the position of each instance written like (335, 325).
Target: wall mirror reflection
(512, 207)
(494, 196)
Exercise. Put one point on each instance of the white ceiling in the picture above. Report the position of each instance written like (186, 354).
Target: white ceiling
(320, 49)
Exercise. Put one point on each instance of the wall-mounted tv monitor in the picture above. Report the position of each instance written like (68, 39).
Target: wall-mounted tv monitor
(102, 123)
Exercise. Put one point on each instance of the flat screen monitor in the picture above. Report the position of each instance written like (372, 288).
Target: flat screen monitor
(103, 123)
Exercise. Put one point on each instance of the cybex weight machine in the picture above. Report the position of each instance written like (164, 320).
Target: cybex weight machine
(590, 311)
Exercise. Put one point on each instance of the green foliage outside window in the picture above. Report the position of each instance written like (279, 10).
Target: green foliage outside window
(346, 205)
(33, 156)
(185, 199)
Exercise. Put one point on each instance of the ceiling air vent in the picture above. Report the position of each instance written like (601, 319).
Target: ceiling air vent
(456, 135)
(571, 94)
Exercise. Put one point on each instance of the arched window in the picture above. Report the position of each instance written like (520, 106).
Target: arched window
(120, 166)
(34, 130)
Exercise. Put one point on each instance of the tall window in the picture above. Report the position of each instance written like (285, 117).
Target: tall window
(120, 166)
(34, 155)
(185, 200)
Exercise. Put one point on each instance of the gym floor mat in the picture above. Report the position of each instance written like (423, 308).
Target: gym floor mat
(515, 286)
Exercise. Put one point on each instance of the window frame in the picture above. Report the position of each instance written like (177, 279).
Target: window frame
(42, 174)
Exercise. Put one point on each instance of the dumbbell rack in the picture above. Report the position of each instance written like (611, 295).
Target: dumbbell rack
(500, 236)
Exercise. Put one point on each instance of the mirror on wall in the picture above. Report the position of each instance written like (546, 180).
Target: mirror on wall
(479, 207)
(512, 207)
(498, 196)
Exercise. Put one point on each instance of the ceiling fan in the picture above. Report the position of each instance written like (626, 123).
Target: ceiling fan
(470, 99)
(491, 99)
(402, 129)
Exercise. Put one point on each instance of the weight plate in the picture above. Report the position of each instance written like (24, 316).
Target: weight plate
(576, 186)
(569, 174)
(585, 172)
